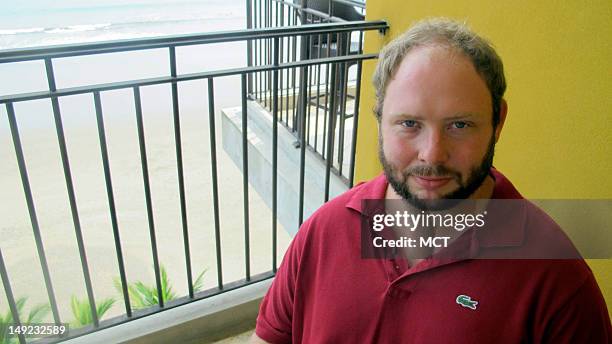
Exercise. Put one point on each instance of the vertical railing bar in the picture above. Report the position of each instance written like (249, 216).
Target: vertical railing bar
(32, 211)
(343, 100)
(293, 72)
(289, 49)
(318, 94)
(10, 298)
(147, 190)
(179, 166)
(330, 133)
(327, 95)
(265, 57)
(303, 71)
(288, 71)
(249, 10)
(111, 201)
(281, 53)
(302, 94)
(260, 74)
(256, 51)
(270, 56)
(275, 153)
(70, 189)
(281, 21)
(335, 95)
(276, 20)
(245, 180)
(355, 124)
(287, 74)
(360, 46)
(265, 51)
(215, 182)
(308, 91)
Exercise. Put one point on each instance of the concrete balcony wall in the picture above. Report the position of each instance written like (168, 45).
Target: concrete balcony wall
(259, 137)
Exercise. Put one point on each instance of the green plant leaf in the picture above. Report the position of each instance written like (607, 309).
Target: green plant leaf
(81, 310)
(104, 306)
(167, 292)
(199, 282)
(144, 296)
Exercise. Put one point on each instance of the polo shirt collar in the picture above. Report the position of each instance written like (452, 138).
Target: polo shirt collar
(507, 228)
(374, 189)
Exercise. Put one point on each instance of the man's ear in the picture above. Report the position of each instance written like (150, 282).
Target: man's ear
(503, 111)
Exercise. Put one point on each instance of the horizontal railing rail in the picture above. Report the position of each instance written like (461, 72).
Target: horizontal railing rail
(69, 91)
(275, 67)
(69, 50)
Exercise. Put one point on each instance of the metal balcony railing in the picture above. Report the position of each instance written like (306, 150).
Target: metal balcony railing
(330, 91)
(274, 69)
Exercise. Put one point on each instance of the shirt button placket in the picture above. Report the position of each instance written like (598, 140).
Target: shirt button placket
(395, 269)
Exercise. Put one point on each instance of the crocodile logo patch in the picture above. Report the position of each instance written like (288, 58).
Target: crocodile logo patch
(466, 301)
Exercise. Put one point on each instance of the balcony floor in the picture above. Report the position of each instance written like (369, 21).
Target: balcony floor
(238, 339)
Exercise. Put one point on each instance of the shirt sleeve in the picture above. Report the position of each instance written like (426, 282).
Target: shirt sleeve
(274, 322)
(583, 318)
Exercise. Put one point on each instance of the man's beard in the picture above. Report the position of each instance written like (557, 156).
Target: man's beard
(475, 179)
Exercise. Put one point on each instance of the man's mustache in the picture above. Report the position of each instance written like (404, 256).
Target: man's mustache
(431, 171)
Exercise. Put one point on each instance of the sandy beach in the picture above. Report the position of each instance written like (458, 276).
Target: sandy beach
(42, 156)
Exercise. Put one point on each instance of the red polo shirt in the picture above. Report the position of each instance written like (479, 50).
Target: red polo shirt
(324, 292)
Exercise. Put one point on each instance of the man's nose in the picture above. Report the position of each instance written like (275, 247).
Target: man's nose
(433, 148)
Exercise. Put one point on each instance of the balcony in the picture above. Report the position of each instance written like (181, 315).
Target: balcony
(174, 188)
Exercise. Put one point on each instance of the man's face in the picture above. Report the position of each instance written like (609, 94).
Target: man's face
(436, 139)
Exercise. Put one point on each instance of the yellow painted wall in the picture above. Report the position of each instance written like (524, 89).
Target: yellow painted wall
(557, 141)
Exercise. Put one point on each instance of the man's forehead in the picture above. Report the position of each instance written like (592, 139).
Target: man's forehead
(440, 79)
(422, 58)
(450, 116)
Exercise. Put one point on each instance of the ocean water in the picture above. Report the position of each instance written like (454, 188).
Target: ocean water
(30, 23)
(35, 23)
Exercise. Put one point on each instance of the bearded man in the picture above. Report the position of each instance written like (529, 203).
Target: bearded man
(440, 112)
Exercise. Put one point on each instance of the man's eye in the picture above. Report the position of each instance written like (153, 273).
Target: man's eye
(409, 123)
(460, 125)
